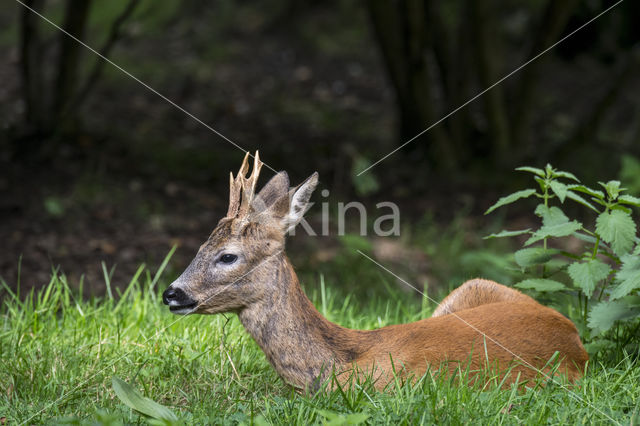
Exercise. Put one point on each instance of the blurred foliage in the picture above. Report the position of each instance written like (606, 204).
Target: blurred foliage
(456, 252)
(365, 183)
(630, 174)
(298, 70)
(54, 206)
(432, 257)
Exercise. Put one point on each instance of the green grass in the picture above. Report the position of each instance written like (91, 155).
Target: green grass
(59, 354)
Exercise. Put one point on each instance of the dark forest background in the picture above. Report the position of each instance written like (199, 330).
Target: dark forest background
(97, 168)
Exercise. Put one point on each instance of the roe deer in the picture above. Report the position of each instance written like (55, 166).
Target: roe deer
(242, 268)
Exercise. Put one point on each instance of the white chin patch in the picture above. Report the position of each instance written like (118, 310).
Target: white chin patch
(179, 309)
(183, 311)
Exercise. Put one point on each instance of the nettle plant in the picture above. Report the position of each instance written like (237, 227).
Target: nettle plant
(603, 273)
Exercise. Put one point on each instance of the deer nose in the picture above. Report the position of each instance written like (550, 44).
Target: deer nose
(173, 295)
(178, 300)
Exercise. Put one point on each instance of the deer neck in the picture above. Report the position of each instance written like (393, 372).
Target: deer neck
(298, 341)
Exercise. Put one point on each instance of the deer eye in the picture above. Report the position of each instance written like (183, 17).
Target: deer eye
(228, 258)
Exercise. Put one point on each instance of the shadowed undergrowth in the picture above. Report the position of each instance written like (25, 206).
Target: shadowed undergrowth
(61, 353)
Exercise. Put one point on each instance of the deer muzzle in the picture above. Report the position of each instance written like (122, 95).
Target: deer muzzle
(178, 301)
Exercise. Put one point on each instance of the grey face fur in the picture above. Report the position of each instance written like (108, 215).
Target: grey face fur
(235, 267)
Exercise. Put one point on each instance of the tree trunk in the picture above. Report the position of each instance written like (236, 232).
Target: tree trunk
(401, 32)
(494, 102)
(31, 67)
(75, 21)
(105, 50)
(450, 48)
(551, 26)
(587, 131)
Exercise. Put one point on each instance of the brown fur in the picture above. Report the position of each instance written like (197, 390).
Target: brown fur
(304, 347)
(478, 292)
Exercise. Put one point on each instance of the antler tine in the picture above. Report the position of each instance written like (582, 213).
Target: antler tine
(235, 187)
(242, 188)
(249, 186)
(244, 169)
(257, 165)
(234, 196)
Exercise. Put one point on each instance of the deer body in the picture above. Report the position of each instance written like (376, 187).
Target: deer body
(303, 346)
(243, 268)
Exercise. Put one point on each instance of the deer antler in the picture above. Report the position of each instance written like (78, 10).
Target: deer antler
(242, 188)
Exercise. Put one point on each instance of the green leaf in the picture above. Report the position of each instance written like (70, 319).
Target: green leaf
(134, 399)
(566, 175)
(633, 300)
(560, 189)
(587, 275)
(591, 240)
(558, 230)
(541, 182)
(534, 256)
(618, 229)
(599, 201)
(549, 170)
(503, 234)
(339, 419)
(599, 345)
(586, 238)
(554, 224)
(541, 284)
(621, 208)
(603, 315)
(628, 199)
(628, 276)
(587, 190)
(551, 215)
(525, 193)
(533, 170)
(612, 187)
(578, 199)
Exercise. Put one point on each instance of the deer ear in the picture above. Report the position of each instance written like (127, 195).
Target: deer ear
(275, 189)
(299, 202)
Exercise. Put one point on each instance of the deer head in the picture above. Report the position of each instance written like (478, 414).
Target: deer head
(232, 269)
